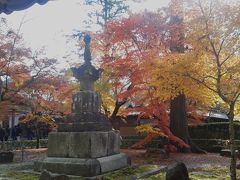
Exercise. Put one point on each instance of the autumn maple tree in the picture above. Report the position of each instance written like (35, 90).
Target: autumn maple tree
(49, 97)
(141, 69)
(12, 56)
(120, 62)
(213, 58)
(137, 44)
(30, 79)
(12, 66)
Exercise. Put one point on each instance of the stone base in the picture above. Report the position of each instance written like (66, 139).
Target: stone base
(85, 145)
(82, 167)
(84, 122)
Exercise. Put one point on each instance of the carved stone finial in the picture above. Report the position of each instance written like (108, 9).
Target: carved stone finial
(87, 52)
(87, 74)
(87, 39)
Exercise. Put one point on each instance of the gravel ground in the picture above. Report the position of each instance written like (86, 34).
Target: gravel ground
(191, 160)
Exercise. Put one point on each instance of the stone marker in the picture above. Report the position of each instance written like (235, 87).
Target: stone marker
(85, 144)
(177, 171)
(6, 157)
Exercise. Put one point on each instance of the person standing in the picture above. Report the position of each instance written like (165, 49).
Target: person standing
(29, 134)
(7, 133)
(18, 132)
(13, 130)
(2, 134)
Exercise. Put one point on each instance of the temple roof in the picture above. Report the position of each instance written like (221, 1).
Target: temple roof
(8, 6)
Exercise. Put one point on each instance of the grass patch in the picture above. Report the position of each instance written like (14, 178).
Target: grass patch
(21, 176)
(212, 173)
(13, 171)
(160, 176)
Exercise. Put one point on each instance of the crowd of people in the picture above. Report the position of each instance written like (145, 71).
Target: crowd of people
(4, 133)
(13, 133)
(21, 132)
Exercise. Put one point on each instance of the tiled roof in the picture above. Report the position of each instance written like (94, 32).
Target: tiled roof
(8, 6)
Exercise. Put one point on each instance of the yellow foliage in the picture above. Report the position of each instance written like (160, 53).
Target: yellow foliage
(37, 120)
(167, 78)
(103, 87)
(213, 35)
(148, 128)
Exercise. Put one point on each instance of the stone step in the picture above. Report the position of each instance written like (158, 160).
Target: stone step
(82, 167)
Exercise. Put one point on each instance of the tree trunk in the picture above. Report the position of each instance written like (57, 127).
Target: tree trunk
(37, 138)
(179, 124)
(178, 120)
(232, 143)
(1, 89)
(116, 109)
(178, 114)
(118, 105)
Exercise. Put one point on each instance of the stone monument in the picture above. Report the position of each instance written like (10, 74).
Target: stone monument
(85, 144)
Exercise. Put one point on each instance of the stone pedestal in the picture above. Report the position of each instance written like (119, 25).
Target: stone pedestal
(83, 144)
(83, 153)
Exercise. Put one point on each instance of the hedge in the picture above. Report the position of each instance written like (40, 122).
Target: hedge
(218, 130)
(25, 144)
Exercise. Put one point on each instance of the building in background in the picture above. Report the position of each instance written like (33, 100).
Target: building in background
(11, 113)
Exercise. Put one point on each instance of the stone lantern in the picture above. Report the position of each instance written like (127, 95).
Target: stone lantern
(85, 144)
